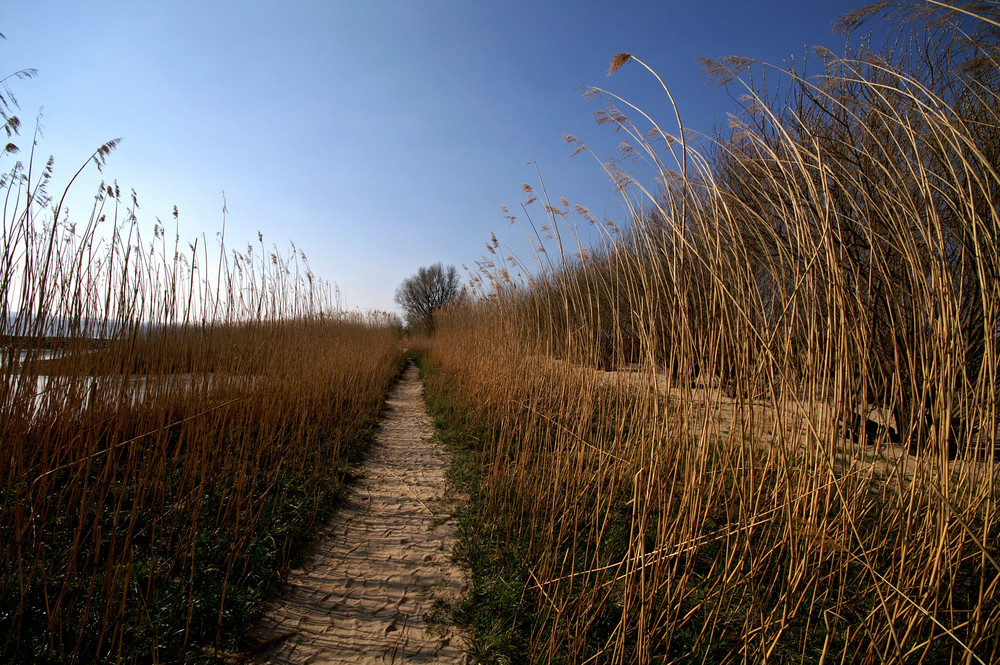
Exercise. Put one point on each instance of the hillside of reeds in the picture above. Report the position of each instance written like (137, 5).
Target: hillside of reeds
(760, 422)
(173, 418)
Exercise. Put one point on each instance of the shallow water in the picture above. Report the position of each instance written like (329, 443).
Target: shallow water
(45, 396)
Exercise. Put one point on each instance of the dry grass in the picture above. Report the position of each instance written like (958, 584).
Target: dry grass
(172, 426)
(820, 280)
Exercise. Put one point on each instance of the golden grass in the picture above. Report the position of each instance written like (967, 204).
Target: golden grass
(172, 427)
(832, 260)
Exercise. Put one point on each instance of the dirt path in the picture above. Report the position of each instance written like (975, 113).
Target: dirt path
(382, 565)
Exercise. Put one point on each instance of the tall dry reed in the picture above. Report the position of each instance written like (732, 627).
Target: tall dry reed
(760, 423)
(174, 419)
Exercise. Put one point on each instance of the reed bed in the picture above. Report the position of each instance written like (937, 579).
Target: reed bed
(173, 421)
(759, 424)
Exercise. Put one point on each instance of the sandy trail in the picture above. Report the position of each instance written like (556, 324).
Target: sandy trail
(382, 563)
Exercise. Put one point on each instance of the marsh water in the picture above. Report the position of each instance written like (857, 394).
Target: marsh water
(45, 395)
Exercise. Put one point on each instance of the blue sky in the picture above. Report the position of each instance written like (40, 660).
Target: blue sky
(377, 136)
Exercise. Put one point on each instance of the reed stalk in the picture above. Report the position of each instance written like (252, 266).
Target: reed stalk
(759, 423)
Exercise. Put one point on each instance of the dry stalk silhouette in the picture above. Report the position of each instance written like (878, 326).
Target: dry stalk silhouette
(172, 422)
(760, 423)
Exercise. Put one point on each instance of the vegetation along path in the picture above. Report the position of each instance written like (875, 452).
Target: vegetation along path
(376, 584)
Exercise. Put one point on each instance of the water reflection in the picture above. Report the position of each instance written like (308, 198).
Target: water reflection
(39, 396)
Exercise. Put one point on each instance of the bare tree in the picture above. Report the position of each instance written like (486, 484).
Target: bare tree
(423, 294)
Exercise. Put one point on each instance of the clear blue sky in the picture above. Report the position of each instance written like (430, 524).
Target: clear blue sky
(378, 136)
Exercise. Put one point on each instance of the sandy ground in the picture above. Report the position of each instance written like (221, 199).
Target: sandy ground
(381, 567)
(804, 418)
